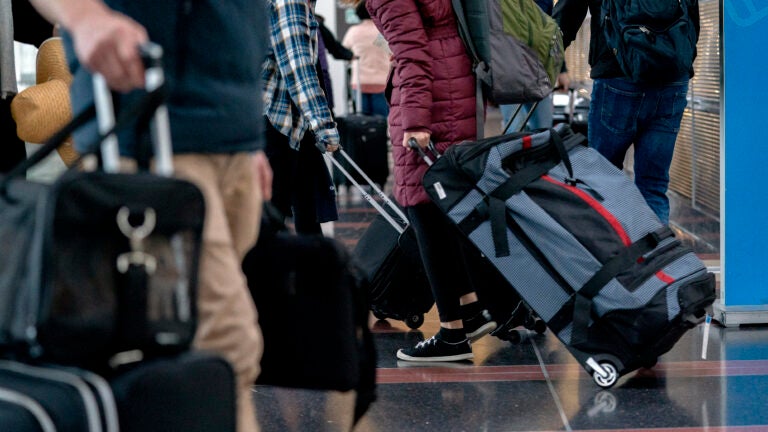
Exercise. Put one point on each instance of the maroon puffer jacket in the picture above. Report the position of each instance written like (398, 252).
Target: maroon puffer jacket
(434, 89)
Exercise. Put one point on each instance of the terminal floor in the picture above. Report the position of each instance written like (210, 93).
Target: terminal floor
(536, 385)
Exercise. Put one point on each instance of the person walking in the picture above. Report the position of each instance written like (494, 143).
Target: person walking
(217, 137)
(623, 112)
(300, 124)
(373, 64)
(433, 99)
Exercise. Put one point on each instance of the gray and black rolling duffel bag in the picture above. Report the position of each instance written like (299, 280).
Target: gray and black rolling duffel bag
(574, 237)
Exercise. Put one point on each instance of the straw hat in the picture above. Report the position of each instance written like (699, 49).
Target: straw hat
(44, 108)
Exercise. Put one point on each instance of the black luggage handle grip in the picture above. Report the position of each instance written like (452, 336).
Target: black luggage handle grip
(413, 144)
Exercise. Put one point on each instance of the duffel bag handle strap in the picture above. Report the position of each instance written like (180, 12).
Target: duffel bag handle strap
(557, 141)
(611, 268)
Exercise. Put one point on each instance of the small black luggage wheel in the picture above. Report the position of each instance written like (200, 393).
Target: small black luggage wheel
(415, 321)
(611, 375)
(539, 326)
(379, 315)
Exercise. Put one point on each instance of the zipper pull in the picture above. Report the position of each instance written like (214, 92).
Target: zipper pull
(587, 188)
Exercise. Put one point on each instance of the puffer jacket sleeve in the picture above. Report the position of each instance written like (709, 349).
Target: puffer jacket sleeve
(407, 38)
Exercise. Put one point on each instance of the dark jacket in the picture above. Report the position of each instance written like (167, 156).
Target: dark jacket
(433, 85)
(213, 55)
(570, 14)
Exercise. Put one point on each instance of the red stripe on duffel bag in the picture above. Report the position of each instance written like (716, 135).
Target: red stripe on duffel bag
(667, 279)
(527, 142)
(602, 211)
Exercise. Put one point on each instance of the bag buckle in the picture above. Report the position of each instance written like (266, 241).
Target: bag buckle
(136, 235)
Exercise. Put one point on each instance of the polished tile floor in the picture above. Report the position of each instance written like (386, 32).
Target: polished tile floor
(536, 385)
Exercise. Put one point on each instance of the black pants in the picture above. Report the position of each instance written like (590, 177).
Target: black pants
(444, 256)
(301, 186)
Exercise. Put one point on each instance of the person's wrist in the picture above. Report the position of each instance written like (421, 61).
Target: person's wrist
(77, 12)
(328, 135)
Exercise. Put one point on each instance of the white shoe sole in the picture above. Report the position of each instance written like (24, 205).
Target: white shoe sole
(457, 357)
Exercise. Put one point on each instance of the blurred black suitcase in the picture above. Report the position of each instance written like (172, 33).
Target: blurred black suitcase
(298, 281)
(191, 392)
(365, 139)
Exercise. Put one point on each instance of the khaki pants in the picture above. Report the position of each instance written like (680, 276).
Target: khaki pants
(227, 316)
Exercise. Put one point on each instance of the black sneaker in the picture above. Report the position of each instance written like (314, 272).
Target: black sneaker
(479, 325)
(435, 349)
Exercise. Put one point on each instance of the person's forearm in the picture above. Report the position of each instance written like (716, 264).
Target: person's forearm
(65, 12)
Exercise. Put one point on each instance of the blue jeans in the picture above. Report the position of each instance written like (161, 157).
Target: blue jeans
(623, 113)
(375, 104)
(541, 117)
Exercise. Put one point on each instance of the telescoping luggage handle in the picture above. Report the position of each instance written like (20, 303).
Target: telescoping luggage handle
(398, 226)
(151, 54)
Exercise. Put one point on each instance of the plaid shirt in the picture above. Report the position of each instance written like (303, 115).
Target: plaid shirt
(293, 98)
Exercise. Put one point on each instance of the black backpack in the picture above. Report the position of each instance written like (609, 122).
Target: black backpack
(653, 40)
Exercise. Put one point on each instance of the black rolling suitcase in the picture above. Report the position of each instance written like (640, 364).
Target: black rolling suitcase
(389, 256)
(366, 141)
(575, 238)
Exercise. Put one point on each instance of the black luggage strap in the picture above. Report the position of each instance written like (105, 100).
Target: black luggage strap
(496, 207)
(583, 298)
(534, 170)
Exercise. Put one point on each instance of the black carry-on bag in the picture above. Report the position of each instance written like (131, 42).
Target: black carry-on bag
(389, 256)
(101, 266)
(574, 237)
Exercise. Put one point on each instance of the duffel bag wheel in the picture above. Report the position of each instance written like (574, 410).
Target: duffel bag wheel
(415, 321)
(606, 381)
(539, 326)
(379, 315)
